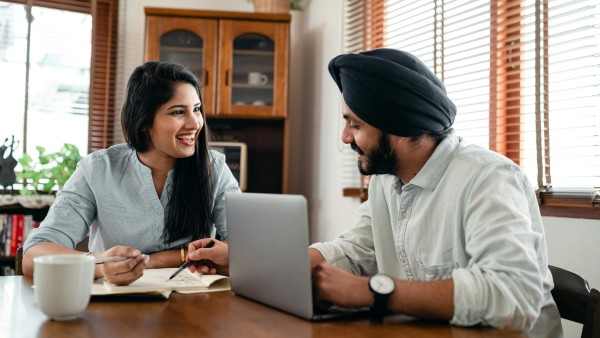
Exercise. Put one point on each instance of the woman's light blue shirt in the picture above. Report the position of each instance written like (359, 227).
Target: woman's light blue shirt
(111, 197)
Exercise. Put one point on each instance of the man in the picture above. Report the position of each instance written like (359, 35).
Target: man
(450, 230)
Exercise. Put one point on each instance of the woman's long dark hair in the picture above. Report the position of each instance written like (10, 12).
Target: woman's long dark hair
(150, 86)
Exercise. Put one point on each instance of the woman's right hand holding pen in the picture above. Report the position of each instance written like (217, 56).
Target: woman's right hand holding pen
(122, 272)
(211, 260)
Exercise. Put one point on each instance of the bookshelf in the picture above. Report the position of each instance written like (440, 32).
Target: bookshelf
(33, 209)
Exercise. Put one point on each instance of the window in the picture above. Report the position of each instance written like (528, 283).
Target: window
(525, 76)
(58, 68)
(55, 69)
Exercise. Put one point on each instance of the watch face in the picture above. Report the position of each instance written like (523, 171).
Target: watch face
(382, 284)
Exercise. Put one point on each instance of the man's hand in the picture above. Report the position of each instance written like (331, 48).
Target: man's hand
(339, 287)
(209, 260)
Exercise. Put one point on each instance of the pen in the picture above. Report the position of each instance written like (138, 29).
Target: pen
(188, 263)
(102, 260)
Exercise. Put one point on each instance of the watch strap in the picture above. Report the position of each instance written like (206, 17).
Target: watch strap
(379, 307)
(380, 301)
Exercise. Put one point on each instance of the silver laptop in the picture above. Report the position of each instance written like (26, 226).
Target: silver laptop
(268, 253)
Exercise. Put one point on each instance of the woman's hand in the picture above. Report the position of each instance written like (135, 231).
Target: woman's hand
(123, 272)
(210, 260)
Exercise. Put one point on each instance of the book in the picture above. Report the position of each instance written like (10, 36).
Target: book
(156, 282)
(14, 228)
(20, 230)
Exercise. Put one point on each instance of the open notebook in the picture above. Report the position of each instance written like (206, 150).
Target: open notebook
(156, 282)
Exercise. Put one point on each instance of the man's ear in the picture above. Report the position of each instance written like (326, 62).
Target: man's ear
(396, 140)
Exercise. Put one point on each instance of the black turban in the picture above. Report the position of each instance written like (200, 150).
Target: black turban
(393, 91)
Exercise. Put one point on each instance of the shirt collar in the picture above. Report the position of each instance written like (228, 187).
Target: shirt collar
(433, 170)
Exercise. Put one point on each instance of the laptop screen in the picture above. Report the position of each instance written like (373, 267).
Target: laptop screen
(268, 250)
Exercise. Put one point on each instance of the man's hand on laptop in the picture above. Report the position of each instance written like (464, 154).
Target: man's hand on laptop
(212, 260)
(339, 287)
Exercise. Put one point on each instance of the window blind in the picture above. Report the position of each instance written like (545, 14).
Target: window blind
(353, 41)
(525, 76)
(363, 28)
(104, 73)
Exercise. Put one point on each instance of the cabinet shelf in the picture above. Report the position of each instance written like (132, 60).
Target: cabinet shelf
(252, 86)
(253, 52)
(181, 49)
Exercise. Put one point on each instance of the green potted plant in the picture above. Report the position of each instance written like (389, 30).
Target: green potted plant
(50, 172)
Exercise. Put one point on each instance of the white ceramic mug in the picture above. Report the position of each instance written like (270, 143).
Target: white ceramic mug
(63, 284)
(257, 78)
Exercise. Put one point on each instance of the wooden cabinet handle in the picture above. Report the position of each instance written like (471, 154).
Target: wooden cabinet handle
(227, 77)
(205, 78)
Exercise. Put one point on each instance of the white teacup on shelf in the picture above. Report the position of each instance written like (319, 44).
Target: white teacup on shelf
(257, 78)
(259, 103)
(63, 284)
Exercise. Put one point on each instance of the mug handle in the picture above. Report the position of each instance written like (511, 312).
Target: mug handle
(264, 79)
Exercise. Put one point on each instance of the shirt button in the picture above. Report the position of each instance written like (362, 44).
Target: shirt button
(403, 215)
(403, 260)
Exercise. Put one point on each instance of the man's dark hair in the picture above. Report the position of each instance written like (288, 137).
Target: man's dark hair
(438, 136)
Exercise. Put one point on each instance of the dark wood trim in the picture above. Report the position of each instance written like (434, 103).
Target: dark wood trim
(570, 211)
(101, 126)
(362, 194)
(218, 14)
(584, 204)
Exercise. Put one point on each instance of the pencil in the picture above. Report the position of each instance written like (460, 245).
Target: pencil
(102, 260)
(188, 263)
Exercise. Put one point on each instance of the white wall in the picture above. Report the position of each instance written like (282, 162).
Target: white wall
(316, 119)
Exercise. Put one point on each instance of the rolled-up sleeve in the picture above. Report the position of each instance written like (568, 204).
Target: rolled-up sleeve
(353, 249)
(502, 283)
(70, 216)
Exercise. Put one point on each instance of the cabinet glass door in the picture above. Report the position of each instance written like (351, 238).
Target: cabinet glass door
(189, 42)
(185, 48)
(252, 70)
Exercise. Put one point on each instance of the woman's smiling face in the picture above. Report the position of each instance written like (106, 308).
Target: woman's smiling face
(177, 124)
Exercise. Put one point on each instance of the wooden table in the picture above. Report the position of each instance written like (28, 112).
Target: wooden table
(218, 314)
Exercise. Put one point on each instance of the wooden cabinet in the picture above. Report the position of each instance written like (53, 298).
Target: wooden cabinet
(242, 61)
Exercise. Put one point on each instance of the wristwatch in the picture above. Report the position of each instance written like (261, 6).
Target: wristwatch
(381, 286)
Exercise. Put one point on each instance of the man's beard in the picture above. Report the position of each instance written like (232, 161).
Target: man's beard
(381, 161)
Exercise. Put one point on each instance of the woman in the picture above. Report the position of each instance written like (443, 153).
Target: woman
(153, 195)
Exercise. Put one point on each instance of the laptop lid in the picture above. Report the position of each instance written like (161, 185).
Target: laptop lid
(268, 250)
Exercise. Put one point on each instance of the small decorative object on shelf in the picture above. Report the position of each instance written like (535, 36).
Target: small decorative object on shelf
(8, 163)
